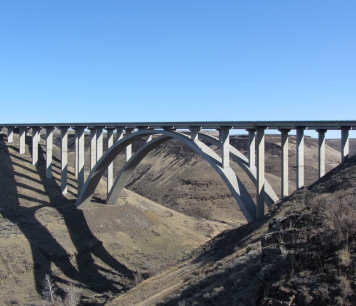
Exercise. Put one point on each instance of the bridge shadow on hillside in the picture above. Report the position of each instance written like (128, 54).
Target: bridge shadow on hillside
(45, 248)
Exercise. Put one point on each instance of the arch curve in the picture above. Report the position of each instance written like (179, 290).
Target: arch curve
(236, 187)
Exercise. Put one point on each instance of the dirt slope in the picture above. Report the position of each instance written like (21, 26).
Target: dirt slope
(103, 250)
(303, 253)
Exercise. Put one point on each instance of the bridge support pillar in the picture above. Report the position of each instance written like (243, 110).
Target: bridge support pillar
(10, 134)
(99, 143)
(345, 144)
(300, 157)
(22, 140)
(110, 178)
(76, 152)
(284, 165)
(49, 151)
(260, 146)
(321, 152)
(81, 148)
(252, 148)
(92, 148)
(119, 134)
(128, 147)
(64, 160)
(35, 140)
(149, 139)
(224, 138)
(194, 133)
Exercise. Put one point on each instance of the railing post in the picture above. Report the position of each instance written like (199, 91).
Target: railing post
(22, 140)
(64, 159)
(110, 178)
(321, 152)
(284, 163)
(345, 144)
(49, 151)
(260, 150)
(224, 138)
(35, 140)
(300, 157)
(92, 147)
(81, 148)
(252, 148)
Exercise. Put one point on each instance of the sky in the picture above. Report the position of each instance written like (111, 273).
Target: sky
(186, 60)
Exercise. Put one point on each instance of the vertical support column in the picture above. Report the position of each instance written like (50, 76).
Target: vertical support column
(119, 134)
(128, 147)
(252, 148)
(64, 160)
(76, 170)
(99, 143)
(10, 134)
(194, 133)
(81, 147)
(284, 163)
(260, 148)
(224, 138)
(300, 157)
(345, 144)
(22, 140)
(35, 140)
(110, 179)
(92, 148)
(49, 151)
(149, 139)
(321, 152)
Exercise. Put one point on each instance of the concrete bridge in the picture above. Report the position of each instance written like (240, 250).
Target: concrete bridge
(192, 134)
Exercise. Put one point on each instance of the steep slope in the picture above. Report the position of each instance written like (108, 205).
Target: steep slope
(303, 253)
(103, 250)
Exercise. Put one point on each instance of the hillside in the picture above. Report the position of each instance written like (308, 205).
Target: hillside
(102, 250)
(303, 253)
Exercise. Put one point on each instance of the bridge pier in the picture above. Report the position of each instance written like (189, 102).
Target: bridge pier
(321, 152)
(284, 163)
(224, 139)
(194, 133)
(64, 160)
(22, 140)
(76, 152)
(252, 148)
(110, 171)
(345, 144)
(128, 147)
(35, 142)
(99, 143)
(300, 157)
(92, 147)
(260, 146)
(10, 134)
(49, 151)
(81, 143)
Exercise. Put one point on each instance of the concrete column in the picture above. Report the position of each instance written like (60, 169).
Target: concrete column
(99, 143)
(321, 152)
(92, 148)
(194, 133)
(345, 144)
(10, 134)
(81, 148)
(149, 139)
(110, 178)
(49, 151)
(284, 164)
(260, 148)
(64, 160)
(224, 138)
(76, 153)
(129, 147)
(35, 140)
(300, 157)
(119, 134)
(252, 148)
(22, 140)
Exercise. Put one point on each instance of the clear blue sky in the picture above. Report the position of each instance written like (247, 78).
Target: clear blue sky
(112, 60)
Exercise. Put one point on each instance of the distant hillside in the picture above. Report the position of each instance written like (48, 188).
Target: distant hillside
(303, 253)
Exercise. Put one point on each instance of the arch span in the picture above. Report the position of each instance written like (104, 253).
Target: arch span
(238, 190)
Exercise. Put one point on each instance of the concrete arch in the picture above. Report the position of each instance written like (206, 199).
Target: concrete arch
(236, 187)
(270, 195)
